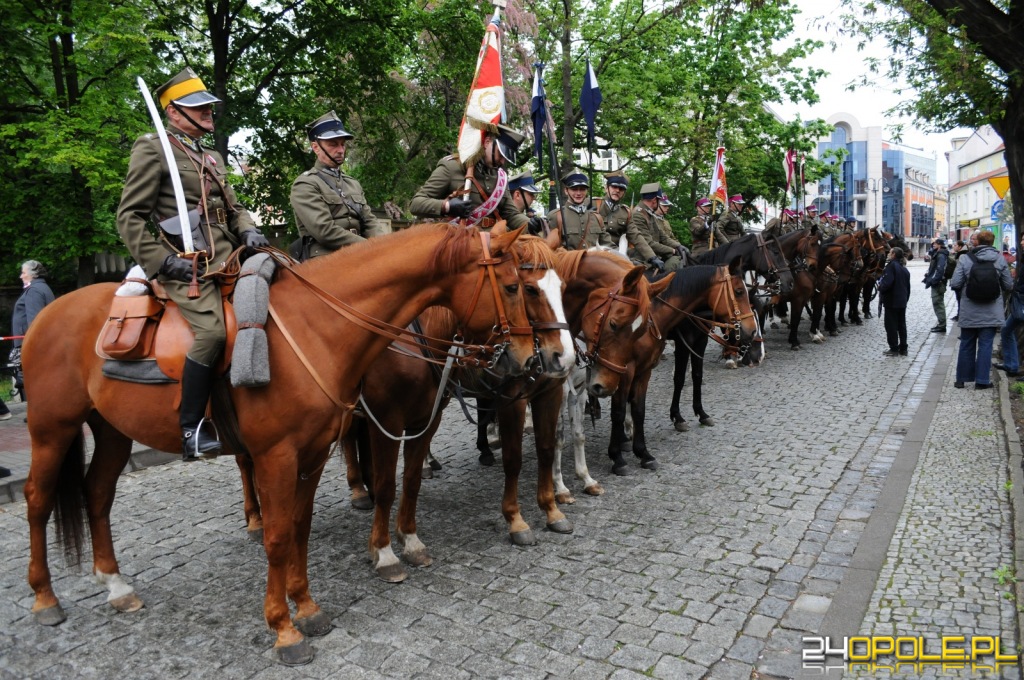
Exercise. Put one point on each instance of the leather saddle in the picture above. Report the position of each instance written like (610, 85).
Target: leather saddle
(151, 327)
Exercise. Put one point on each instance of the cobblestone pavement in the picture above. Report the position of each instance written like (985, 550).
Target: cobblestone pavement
(768, 527)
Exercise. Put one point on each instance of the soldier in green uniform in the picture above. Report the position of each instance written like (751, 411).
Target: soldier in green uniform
(645, 219)
(810, 217)
(777, 226)
(702, 230)
(682, 253)
(330, 207)
(579, 225)
(616, 216)
(729, 222)
(524, 192)
(222, 226)
(441, 196)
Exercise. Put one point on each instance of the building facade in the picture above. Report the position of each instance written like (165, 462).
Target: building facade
(977, 165)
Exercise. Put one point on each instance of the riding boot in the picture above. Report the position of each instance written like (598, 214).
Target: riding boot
(196, 382)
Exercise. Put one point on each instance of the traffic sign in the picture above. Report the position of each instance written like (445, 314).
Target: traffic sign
(997, 208)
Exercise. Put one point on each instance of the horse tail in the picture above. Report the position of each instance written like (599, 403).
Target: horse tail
(226, 418)
(68, 512)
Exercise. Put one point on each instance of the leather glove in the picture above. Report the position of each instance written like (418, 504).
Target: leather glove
(658, 263)
(459, 208)
(178, 268)
(253, 239)
(536, 226)
(682, 251)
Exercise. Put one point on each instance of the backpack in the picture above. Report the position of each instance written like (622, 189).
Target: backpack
(950, 267)
(983, 281)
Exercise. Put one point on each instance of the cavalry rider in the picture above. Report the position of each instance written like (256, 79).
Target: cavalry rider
(785, 223)
(645, 220)
(702, 230)
(524, 193)
(616, 215)
(810, 218)
(443, 194)
(840, 222)
(668, 235)
(729, 222)
(330, 207)
(578, 223)
(222, 226)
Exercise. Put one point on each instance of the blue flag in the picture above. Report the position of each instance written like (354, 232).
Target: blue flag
(590, 101)
(539, 115)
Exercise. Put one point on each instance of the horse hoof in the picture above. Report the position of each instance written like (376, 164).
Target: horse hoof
(298, 654)
(127, 603)
(256, 536)
(362, 503)
(731, 363)
(594, 490)
(427, 472)
(648, 462)
(707, 422)
(562, 526)
(486, 458)
(51, 616)
(565, 498)
(775, 325)
(681, 426)
(834, 334)
(795, 348)
(858, 322)
(620, 470)
(523, 538)
(816, 340)
(434, 464)
(317, 625)
(417, 558)
(392, 573)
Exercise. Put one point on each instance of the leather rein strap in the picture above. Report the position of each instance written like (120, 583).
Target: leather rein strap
(593, 351)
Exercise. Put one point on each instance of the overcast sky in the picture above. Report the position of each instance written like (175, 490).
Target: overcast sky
(868, 105)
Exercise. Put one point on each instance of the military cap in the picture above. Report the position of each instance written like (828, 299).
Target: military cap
(811, 208)
(508, 141)
(523, 182)
(575, 179)
(650, 190)
(663, 199)
(738, 198)
(327, 126)
(616, 179)
(851, 220)
(701, 202)
(840, 219)
(789, 213)
(184, 89)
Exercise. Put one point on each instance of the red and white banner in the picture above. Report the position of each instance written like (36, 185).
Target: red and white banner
(485, 107)
(719, 192)
(789, 165)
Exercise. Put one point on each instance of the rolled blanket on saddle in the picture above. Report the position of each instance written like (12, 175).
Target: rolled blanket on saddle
(250, 361)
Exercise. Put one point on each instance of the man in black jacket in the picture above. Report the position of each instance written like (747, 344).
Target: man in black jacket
(936, 280)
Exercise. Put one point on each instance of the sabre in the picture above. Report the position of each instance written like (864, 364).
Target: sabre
(184, 217)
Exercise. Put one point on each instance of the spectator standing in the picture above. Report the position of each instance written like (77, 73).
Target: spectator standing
(958, 250)
(1011, 356)
(34, 297)
(979, 320)
(936, 280)
(894, 292)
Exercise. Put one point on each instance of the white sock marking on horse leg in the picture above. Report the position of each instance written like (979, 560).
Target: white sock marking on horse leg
(551, 285)
(385, 557)
(556, 465)
(411, 543)
(115, 583)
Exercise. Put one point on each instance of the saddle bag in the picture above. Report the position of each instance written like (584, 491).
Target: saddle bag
(131, 327)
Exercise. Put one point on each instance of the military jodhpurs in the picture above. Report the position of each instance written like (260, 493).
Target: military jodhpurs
(206, 316)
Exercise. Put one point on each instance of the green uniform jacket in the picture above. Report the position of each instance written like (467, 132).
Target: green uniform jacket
(646, 225)
(700, 230)
(575, 226)
(449, 176)
(617, 221)
(730, 225)
(330, 206)
(148, 195)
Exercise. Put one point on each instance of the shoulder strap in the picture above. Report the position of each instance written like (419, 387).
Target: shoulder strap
(349, 203)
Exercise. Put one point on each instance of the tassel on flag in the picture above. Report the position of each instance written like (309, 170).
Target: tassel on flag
(788, 165)
(485, 107)
(719, 191)
(590, 101)
(539, 114)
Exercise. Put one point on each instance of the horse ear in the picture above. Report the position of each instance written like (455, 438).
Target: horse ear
(736, 266)
(656, 288)
(553, 239)
(501, 242)
(500, 227)
(632, 279)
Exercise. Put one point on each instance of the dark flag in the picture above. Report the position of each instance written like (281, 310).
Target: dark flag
(539, 115)
(590, 101)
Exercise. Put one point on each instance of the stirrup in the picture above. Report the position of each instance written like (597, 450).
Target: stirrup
(212, 447)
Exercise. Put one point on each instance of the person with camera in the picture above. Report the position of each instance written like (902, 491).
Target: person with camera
(935, 279)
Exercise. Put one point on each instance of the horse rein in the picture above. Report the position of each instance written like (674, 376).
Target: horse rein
(722, 279)
(592, 353)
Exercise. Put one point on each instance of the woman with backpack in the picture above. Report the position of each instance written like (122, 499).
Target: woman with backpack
(982, 276)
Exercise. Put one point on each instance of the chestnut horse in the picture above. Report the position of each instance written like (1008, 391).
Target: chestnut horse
(391, 279)
(696, 288)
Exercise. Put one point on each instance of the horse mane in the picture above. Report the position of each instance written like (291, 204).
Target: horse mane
(567, 263)
(452, 249)
(535, 250)
(692, 280)
(438, 322)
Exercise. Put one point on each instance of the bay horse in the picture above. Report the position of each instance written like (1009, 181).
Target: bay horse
(863, 287)
(388, 280)
(842, 260)
(719, 289)
(800, 248)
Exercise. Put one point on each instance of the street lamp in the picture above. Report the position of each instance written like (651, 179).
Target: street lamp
(874, 184)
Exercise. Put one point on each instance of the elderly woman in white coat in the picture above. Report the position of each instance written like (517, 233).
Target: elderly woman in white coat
(979, 321)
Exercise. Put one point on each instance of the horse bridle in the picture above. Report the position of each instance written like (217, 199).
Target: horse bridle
(592, 353)
(539, 325)
(772, 282)
(735, 323)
